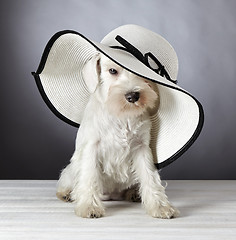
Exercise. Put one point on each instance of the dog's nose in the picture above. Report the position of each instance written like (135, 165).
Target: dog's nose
(132, 97)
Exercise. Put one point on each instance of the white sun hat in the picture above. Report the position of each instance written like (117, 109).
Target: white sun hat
(179, 118)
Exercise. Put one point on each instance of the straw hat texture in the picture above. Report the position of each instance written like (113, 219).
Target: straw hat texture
(179, 118)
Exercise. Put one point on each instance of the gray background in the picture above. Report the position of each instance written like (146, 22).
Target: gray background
(35, 144)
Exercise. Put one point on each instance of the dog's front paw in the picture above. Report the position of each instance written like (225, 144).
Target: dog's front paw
(64, 196)
(89, 211)
(163, 211)
(132, 195)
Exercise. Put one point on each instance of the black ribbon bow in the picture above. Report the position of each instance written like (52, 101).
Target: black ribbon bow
(143, 58)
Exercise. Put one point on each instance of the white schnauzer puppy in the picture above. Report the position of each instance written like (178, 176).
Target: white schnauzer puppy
(112, 153)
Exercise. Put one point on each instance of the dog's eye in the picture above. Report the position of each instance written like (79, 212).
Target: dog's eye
(112, 71)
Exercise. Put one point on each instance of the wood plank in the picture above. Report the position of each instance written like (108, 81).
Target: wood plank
(30, 210)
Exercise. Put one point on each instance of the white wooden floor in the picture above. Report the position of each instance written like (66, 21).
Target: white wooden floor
(30, 210)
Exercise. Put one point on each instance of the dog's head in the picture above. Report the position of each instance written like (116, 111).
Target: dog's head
(122, 92)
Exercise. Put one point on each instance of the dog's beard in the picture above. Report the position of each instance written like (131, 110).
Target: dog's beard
(118, 106)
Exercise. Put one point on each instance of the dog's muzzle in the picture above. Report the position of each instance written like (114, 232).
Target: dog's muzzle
(132, 97)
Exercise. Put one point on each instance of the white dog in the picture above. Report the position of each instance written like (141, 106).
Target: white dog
(112, 153)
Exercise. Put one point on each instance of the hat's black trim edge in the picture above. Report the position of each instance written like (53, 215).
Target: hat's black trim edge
(74, 124)
(49, 46)
(189, 143)
(49, 104)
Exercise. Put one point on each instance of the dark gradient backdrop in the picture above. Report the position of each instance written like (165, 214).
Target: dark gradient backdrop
(35, 144)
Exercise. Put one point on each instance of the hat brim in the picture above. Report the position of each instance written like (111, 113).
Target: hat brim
(177, 123)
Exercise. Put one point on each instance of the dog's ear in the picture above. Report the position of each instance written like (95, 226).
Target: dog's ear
(91, 72)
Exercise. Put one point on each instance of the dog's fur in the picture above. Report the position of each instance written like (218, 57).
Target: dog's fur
(112, 158)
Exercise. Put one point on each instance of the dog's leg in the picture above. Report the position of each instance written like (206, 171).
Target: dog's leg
(87, 186)
(152, 192)
(65, 183)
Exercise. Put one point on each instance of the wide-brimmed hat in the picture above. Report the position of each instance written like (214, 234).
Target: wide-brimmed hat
(179, 119)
